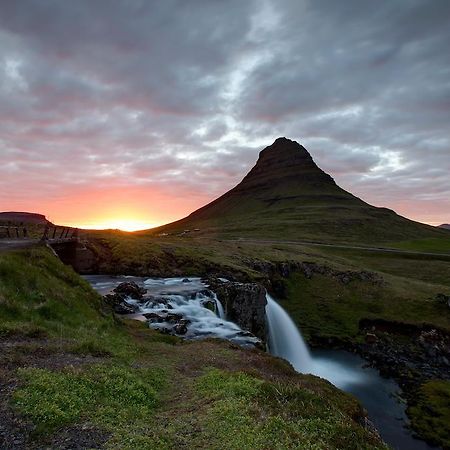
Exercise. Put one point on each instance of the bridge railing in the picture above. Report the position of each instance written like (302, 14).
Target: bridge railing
(13, 232)
(59, 233)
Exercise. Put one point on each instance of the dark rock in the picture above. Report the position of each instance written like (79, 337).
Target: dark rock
(244, 304)
(154, 317)
(130, 289)
(125, 308)
(284, 269)
(119, 304)
(209, 304)
(181, 328)
(173, 318)
(371, 338)
(186, 280)
(443, 299)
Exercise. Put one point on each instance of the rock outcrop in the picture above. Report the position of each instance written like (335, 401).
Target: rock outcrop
(276, 272)
(117, 300)
(411, 354)
(244, 304)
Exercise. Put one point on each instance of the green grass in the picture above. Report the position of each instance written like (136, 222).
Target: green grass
(40, 297)
(431, 414)
(248, 413)
(439, 245)
(324, 307)
(109, 396)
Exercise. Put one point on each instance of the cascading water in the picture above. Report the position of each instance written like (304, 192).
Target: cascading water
(285, 340)
(180, 306)
(220, 310)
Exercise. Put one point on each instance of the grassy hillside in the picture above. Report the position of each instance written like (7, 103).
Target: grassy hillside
(71, 373)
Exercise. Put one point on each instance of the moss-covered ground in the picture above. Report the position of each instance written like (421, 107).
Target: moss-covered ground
(431, 413)
(71, 373)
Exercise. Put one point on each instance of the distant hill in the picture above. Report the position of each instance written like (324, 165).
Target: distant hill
(287, 196)
(25, 217)
(445, 226)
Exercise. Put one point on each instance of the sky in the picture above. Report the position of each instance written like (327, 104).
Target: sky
(131, 114)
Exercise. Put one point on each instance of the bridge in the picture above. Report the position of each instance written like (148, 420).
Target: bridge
(59, 235)
(64, 242)
(20, 235)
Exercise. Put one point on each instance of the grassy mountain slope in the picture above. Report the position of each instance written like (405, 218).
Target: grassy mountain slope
(74, 376)
(287, 196)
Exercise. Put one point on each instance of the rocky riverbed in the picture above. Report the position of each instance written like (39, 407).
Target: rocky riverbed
(189, 308)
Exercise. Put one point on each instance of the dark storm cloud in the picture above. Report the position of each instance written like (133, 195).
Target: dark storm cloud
(181, 94)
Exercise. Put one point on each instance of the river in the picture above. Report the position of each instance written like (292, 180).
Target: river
(191, 299)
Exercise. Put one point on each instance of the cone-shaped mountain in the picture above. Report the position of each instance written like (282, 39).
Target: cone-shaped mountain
(287, 196)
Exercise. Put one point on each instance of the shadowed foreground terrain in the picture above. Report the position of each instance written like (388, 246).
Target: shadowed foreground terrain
(74, 376)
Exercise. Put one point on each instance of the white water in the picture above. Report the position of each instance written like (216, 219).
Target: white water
(189, 298)
(220, 310)
(286, 341)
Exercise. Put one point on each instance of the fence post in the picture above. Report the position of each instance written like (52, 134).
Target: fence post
(45, 235)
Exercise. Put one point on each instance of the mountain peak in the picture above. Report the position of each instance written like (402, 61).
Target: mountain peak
(284, 150)
(285, 161)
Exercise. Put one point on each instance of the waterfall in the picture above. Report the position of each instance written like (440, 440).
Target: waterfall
(285, 339)
(219, 308)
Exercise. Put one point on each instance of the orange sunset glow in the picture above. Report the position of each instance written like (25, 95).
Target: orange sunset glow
(113, 120)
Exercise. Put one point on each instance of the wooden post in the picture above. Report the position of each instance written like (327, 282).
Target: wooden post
(17, 232)
(45, 235)
(62, 232)
(67, 232)
(25, 233)
(7, 231)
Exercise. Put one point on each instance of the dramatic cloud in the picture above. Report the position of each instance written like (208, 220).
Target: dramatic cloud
(153, 108)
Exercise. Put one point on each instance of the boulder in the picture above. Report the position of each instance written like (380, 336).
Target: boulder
(371, 338)
(119, 304)
(180, 328)
(130, 289)
(443, 299)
